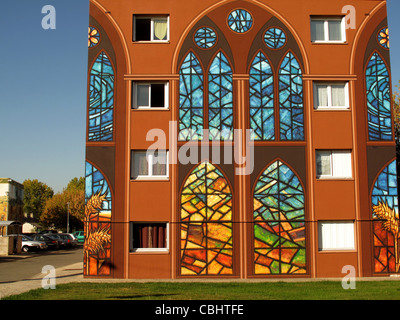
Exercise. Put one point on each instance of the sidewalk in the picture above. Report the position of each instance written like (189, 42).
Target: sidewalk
(66, 274)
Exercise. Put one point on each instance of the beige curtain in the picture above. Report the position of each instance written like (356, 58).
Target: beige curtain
(160, 29)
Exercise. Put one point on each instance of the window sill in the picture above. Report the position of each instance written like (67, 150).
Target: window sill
(332, 109)
(148, 251)
(330, 178)
(337, 250)
(150, 179)
(150, 109)
(152, 41)
(329, 42)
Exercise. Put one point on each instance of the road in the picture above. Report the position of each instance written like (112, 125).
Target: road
(21, 272)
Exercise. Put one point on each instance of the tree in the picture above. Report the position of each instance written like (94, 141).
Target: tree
(36, 194)
(72, 200)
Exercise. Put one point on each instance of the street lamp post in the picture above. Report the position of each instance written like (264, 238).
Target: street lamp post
(68, 218)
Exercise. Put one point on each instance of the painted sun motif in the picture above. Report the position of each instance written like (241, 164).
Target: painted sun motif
(383, 37)
(93, 37)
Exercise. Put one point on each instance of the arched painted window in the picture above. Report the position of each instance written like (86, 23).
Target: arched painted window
(279, 222)
(206, 223)
(378, 99)
(101, 100)
(291, 111)
(385, 215)
(262, 118)
(220, 99)
(191, 99)
(98, 211)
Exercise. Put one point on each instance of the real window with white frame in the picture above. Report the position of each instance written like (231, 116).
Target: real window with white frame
(334, 164)
(150, 164)
(336, 235)
(330, 96)
(150, 28)
(332, 30)
(149, 237)
(150, 95)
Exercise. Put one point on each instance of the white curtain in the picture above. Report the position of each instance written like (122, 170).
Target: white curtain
(338, 96)
(338, 235)
(324, 163)
(160, 29)
(335, 30)
(342, 164)
(322, 91)
(317, 30)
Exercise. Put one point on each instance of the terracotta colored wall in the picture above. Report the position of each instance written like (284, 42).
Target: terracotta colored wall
(326, 200)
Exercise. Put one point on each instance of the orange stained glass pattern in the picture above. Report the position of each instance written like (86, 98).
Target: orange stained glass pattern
(206, 223)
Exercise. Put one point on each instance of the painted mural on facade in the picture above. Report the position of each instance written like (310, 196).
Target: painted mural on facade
(98, 212)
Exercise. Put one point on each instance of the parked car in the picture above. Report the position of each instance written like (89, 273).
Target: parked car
(80, 236)
(69, 238)
(51, 243)
(28, 244)
(62, 243)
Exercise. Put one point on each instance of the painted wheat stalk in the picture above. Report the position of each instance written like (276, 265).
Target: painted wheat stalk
(390, 222)
(96, 239)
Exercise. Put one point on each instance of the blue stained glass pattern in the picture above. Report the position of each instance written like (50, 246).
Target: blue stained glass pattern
(220, 99)
(291, 110)
(262, 119)
(378, 99)
(240, 21)
(191, 99)
(101, 100)
(385, 188)
(95, 183)
(205, 38)
(275, 38)
(279, 222)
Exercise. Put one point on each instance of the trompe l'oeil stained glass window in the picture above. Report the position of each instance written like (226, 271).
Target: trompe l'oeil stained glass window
(279, 222)
(291, 113)
(378, 99)
(191, 100)
(205, 38)
(98, 211)
(385, 215)
(220, 99)
(206, 223)
(383, 37)
(101, 100)
(93, 37)
(240, 21)
(275, 38)
(262, 119)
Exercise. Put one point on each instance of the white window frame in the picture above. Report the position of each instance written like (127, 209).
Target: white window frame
(152, 20)
(149, 157)
(329, 94)
(153, 250)
(134, 102)
(336, 236)
(326, 29)
(334, 157)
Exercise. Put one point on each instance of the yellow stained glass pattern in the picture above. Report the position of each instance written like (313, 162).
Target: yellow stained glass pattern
(206, 223)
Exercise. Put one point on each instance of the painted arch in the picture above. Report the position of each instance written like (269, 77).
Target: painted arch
(279, 222)
(206, 212)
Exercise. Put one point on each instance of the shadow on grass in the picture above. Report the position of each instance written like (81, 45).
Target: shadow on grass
(137, 296)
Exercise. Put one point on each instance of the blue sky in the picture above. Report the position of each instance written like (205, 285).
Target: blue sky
(43, 88)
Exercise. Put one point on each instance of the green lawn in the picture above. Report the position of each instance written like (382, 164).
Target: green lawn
(313, 290)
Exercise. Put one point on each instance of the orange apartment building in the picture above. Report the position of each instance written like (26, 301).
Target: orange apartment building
(240, 139)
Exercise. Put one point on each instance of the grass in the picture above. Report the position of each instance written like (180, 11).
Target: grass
(313, 290)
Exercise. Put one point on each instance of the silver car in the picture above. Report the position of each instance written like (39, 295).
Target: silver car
(28, 244)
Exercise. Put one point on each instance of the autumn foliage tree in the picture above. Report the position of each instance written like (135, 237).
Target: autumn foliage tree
(71, 200)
